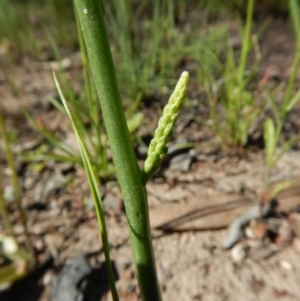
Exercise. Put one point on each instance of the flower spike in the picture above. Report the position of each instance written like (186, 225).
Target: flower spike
(158, 145)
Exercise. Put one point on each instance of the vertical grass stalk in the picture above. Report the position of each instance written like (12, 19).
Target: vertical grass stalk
(128, 172)
(16, 187)
(295, 17)
(245, 43)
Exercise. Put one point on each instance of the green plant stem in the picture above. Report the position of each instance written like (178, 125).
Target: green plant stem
(16, 187)
(92, 105)
(245, 44)
(128, 172)
(85, 65)
(294, 12)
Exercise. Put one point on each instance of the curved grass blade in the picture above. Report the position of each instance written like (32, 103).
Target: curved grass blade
(95, 192)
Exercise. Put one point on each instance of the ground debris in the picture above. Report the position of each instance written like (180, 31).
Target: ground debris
(70, 284)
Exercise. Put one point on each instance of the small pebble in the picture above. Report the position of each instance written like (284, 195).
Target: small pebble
(39, 245)
(48, 277)
(8, 193)
(9, 245)
(286, 265)
(18, 229)
(238, 253)
(249, 233)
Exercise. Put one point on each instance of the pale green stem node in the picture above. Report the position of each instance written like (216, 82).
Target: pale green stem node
(158, 145)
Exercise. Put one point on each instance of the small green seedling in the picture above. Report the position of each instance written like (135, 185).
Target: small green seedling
(272, 128)
(238, 106)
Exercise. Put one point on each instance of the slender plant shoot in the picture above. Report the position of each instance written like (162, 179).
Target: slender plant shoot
(95, 192)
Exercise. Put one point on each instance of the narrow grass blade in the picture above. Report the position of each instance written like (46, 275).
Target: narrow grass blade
(57, 105)
(50, 157)
(246, 42)
(95, 193)
(293, 102)
(274, 106)
(286, 146)
(280, 187)
(48, 135)
(80, 127)
(16, 188)
(295, 17)
(10, 274)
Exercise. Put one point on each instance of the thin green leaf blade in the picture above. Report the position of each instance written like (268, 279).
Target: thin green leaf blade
(293, 102)
(94, 190)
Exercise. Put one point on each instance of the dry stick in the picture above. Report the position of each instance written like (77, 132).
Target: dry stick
(128, 172)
